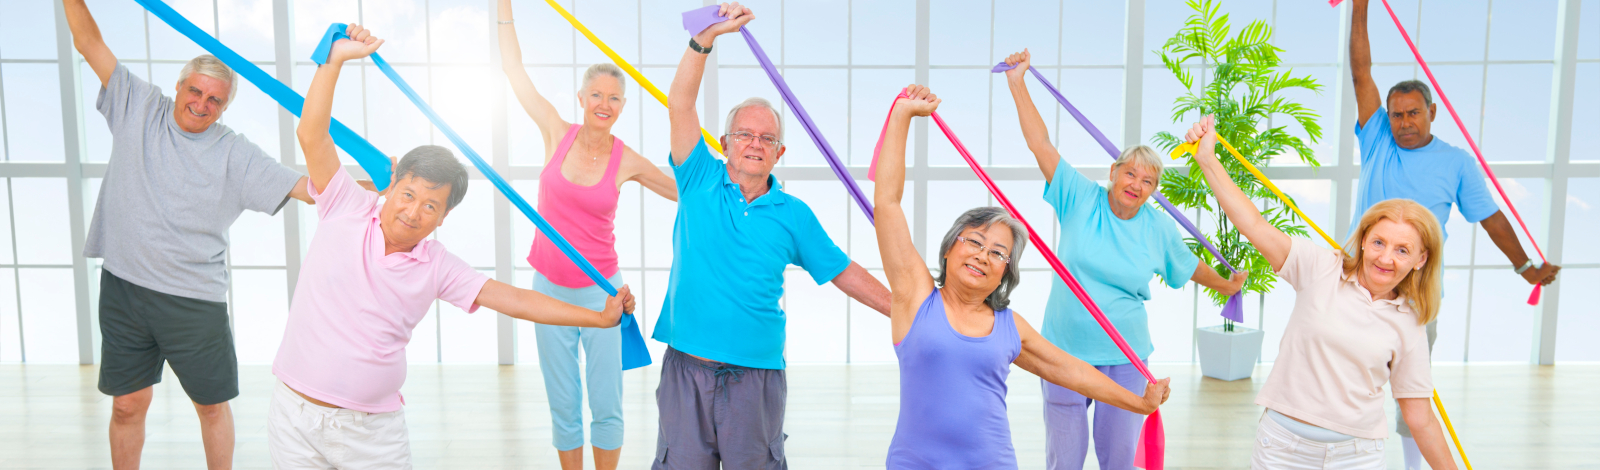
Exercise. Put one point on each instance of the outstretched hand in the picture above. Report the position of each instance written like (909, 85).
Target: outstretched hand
(919, 101)
(1019, 63)
(1156, 394)
(360, 44)
(1236, 282)
(737, 15)
(617, 305)
(1205, 133)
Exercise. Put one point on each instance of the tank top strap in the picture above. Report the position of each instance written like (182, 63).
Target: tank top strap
(562, 148)
(610, 178)
(1005, 323)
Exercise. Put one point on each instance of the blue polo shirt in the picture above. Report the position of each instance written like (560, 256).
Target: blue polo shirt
(1114, 259)
(728, 261)
(1436, 175)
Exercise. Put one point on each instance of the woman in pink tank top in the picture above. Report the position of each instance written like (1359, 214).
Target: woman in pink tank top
(585, 167)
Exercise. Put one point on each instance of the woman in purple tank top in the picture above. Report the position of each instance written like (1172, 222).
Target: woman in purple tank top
(953, 334)
(585, 167)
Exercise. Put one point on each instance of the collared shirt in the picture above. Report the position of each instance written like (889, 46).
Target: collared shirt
(1341, 346)
(354, 306)
(1115, 259)
(728, 265)
(1436, 175)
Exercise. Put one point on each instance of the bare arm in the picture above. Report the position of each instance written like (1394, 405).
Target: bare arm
(1418, 414)
(1367, 100)
(857, 283)
(1205, 276)
(86, 38)
(1505, 237)
(685, 122)
(645, 172)
(544, 114)
(1056, 366)
(524, 304)
(1271, 242)
(322, 158)
(909, 280)
(1034, 130)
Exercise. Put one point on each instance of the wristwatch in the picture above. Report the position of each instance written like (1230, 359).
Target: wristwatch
(697, 48)
(1526, 266)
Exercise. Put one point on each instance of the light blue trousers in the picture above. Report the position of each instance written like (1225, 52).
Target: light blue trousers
(602, 363)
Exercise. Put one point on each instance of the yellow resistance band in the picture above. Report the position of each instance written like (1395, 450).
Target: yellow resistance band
(626, 67)
(1194, 147)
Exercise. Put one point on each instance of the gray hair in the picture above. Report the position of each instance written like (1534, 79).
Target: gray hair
(436, 165)
(1142, 156)
(596, 70)
(753, 101)
(1411, 86)
(210, 66)
(982, 218)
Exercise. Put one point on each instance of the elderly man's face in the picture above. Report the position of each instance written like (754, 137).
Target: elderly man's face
(414, 208)
(1411, 120)
(199, 102)
(753, 157)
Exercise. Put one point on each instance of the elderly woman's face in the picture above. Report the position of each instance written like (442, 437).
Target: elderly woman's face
(979, 258)
(1131, 186)
(602, 101)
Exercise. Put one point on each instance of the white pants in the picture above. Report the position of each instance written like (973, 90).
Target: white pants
(1278, 448)
(301, 434)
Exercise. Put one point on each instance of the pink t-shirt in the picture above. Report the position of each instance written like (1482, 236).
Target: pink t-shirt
(354, 307)
(1340, 348)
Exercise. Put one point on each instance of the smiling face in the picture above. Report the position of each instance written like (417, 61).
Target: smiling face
(977, 270)
(1130, 187)
(1389, 251)
(1410, 119)
(414, 208)
(752, 158)
(602, 102)
(199, 102)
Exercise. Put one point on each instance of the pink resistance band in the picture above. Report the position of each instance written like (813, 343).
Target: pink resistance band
(1533, 299)
(1152, 438)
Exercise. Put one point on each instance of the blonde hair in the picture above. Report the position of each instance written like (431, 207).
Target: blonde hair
(210, 66)
(596, 70)
(1421, 288)
(1142, 156)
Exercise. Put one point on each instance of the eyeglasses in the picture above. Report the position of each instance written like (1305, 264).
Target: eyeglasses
(974, 246)
(767, 140)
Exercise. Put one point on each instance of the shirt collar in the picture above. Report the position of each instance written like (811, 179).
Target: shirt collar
(1398, 301)
(774, 195)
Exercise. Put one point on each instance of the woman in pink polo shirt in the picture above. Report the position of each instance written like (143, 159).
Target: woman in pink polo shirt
(1358, 324)
(585, 167)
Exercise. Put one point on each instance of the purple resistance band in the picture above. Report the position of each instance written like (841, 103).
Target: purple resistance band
(1233, 310)
(698, 19)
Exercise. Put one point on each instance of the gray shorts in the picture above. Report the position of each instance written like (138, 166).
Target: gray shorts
(140, 329)
(718, 415)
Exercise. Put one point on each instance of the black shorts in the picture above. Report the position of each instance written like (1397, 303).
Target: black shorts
(141, 328)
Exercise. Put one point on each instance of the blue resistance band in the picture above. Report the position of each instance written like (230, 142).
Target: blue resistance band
(634, 353)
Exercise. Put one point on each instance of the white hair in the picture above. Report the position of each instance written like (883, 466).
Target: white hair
(1142, 156)
(753, 101)
(596, 70)
(210, 66)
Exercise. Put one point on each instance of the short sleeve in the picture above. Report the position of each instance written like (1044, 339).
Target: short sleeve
(126, 98)
(1177, 262)
(1375, 135)
(1472, 193)
(814, 251)
(1068, 189)
(697, 171)
(263, 184)
(457, 282)
(1308, 264)
(342, 196)
(1410, 372)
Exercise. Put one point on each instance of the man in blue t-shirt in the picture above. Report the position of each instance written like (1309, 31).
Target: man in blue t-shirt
(1401, 159)
(722, 391)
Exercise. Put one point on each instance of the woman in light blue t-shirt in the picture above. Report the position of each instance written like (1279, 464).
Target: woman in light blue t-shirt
(1110, 236)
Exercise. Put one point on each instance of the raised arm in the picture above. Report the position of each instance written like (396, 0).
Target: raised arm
(86, 38)
(1271, 242)
(685, 122)
(1056, 366)
(1367, 99)
(1206, 276)
(909, 280)
(1034, 130)
(322, 158)
(524, 304)
(544, 114)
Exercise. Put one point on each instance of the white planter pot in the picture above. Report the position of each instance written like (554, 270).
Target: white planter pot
(1228, 355)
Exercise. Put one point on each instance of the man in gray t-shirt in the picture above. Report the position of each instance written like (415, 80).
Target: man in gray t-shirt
(175, 182)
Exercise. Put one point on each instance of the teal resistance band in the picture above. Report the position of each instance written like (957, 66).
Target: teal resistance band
(634, 354)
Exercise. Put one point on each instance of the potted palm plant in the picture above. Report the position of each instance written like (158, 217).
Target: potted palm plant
(1240, 84)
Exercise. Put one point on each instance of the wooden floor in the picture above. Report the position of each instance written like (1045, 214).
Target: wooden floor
(481, 417)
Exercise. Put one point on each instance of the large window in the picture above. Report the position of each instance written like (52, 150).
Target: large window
(845, 59)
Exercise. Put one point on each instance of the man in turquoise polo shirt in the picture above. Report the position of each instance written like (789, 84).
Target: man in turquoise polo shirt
(1401, 159)
(722, 392)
